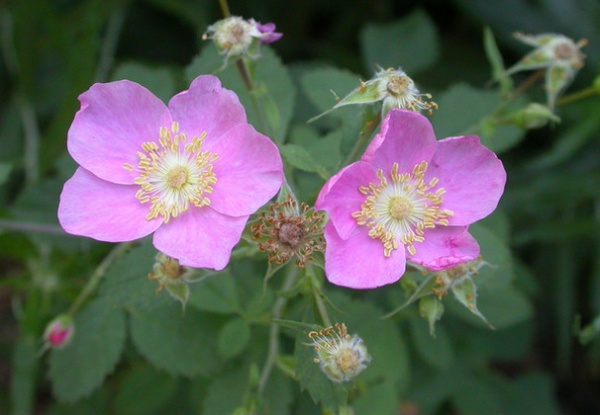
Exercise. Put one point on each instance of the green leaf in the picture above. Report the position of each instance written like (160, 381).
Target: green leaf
(24, 371)
(465, 292)
(177, 342)
(274, 88)
(411, 43)
(179, 292)
(143, 391)
(478, 396)
(437, 351)
(533, 393)
(496, 62)
(80, 368)
(5, 169)
(159, 81)
(300, 158)
(463, 110)
(233, 338)
(217, 294)
(377, 399)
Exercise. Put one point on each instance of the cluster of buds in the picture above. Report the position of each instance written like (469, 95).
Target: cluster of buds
(393, 87)
(59, 332)
(236, 37)
(172, 276)
(559, 55)
(446, 279)
(341, 356)
(287, 230)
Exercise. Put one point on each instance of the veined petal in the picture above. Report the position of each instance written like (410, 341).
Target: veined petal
(200, 238)
(406, 138)
(207, 108)
(249, 171)
(114, 120)
(445, 247)
(472, 176)
(342, 198)
(358, 261)
(105, 211)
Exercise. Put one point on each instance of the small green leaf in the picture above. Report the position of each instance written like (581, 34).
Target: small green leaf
(299, 158)
(180, 292)
(233, 338)
(159, 81)
(5, 169)
(411, 43)
(24, 372)
(95, 349)
(496, 62)
(424, 289)
(437, 351)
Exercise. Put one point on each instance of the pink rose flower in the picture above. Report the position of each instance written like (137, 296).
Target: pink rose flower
(411, 198)
(191, 172)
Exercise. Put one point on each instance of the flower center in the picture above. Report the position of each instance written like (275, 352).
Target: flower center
(398, 211)
(174, 175)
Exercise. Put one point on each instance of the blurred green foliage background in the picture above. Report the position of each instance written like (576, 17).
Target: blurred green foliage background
(53, 50)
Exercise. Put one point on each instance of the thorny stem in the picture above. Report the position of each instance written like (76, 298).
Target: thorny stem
(365, 134)
(97, 275)
(277, 311)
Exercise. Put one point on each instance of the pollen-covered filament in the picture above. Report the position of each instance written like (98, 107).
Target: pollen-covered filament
(398, 211)
(174, 174)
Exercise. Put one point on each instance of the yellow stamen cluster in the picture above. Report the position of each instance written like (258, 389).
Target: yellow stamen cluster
(400, 210)
(173, 174)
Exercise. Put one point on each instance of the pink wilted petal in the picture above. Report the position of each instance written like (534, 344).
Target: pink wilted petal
(200, 238)
(406, 138)
(114, 120)
(472, 176)
(358, 261)
(268, 31)
(105, 211)
(207, 108)
(243, 150)
(343, 198)
(445, 247)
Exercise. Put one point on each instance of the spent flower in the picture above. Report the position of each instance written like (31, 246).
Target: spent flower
(191, 172)
(409, 197)
(341, 356)
(287, 230)
(558, 54)
(393, 87)
(236, 37)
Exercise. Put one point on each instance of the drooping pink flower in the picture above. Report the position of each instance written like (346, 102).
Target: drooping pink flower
(192, 172)
(410, 197)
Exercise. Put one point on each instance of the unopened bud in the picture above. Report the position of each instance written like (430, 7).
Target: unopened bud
(534, 116)
(59, 332)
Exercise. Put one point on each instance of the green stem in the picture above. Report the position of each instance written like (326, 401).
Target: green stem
(109, 46)
(94, 280)
(575, 96)
(225, 8)
(277, 311)
(19, 226)
(365, 134)
(249, 84)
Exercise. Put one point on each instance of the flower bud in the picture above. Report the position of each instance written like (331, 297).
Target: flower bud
(534, 116)
(341, 356)
(172, 276)
(59, 332)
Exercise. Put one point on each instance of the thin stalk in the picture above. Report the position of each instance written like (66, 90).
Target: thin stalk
(225, 8)
(18, 226)
(99, 272)
(365, 134)
(575, 96)
(277, 311)
(109, 46)
(245, 75)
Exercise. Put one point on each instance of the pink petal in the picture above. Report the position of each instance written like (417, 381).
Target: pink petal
(341, 198)
(200, 238)
(114, 120)
(249, 171)
(207, 108)
(358, 261)
(445, 247)
(406, 138)
(472, 176)
(102, 210)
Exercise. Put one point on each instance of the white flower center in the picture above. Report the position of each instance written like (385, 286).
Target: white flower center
(399, 211)
(174, 175)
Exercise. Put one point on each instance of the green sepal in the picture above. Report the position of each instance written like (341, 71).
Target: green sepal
(424, 289)
(496, 62)
(558, 77)
(180, 292)
(432, 310)
(465, 292)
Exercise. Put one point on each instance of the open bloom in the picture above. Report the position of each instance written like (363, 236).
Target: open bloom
(410, 197)
(192, 172)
